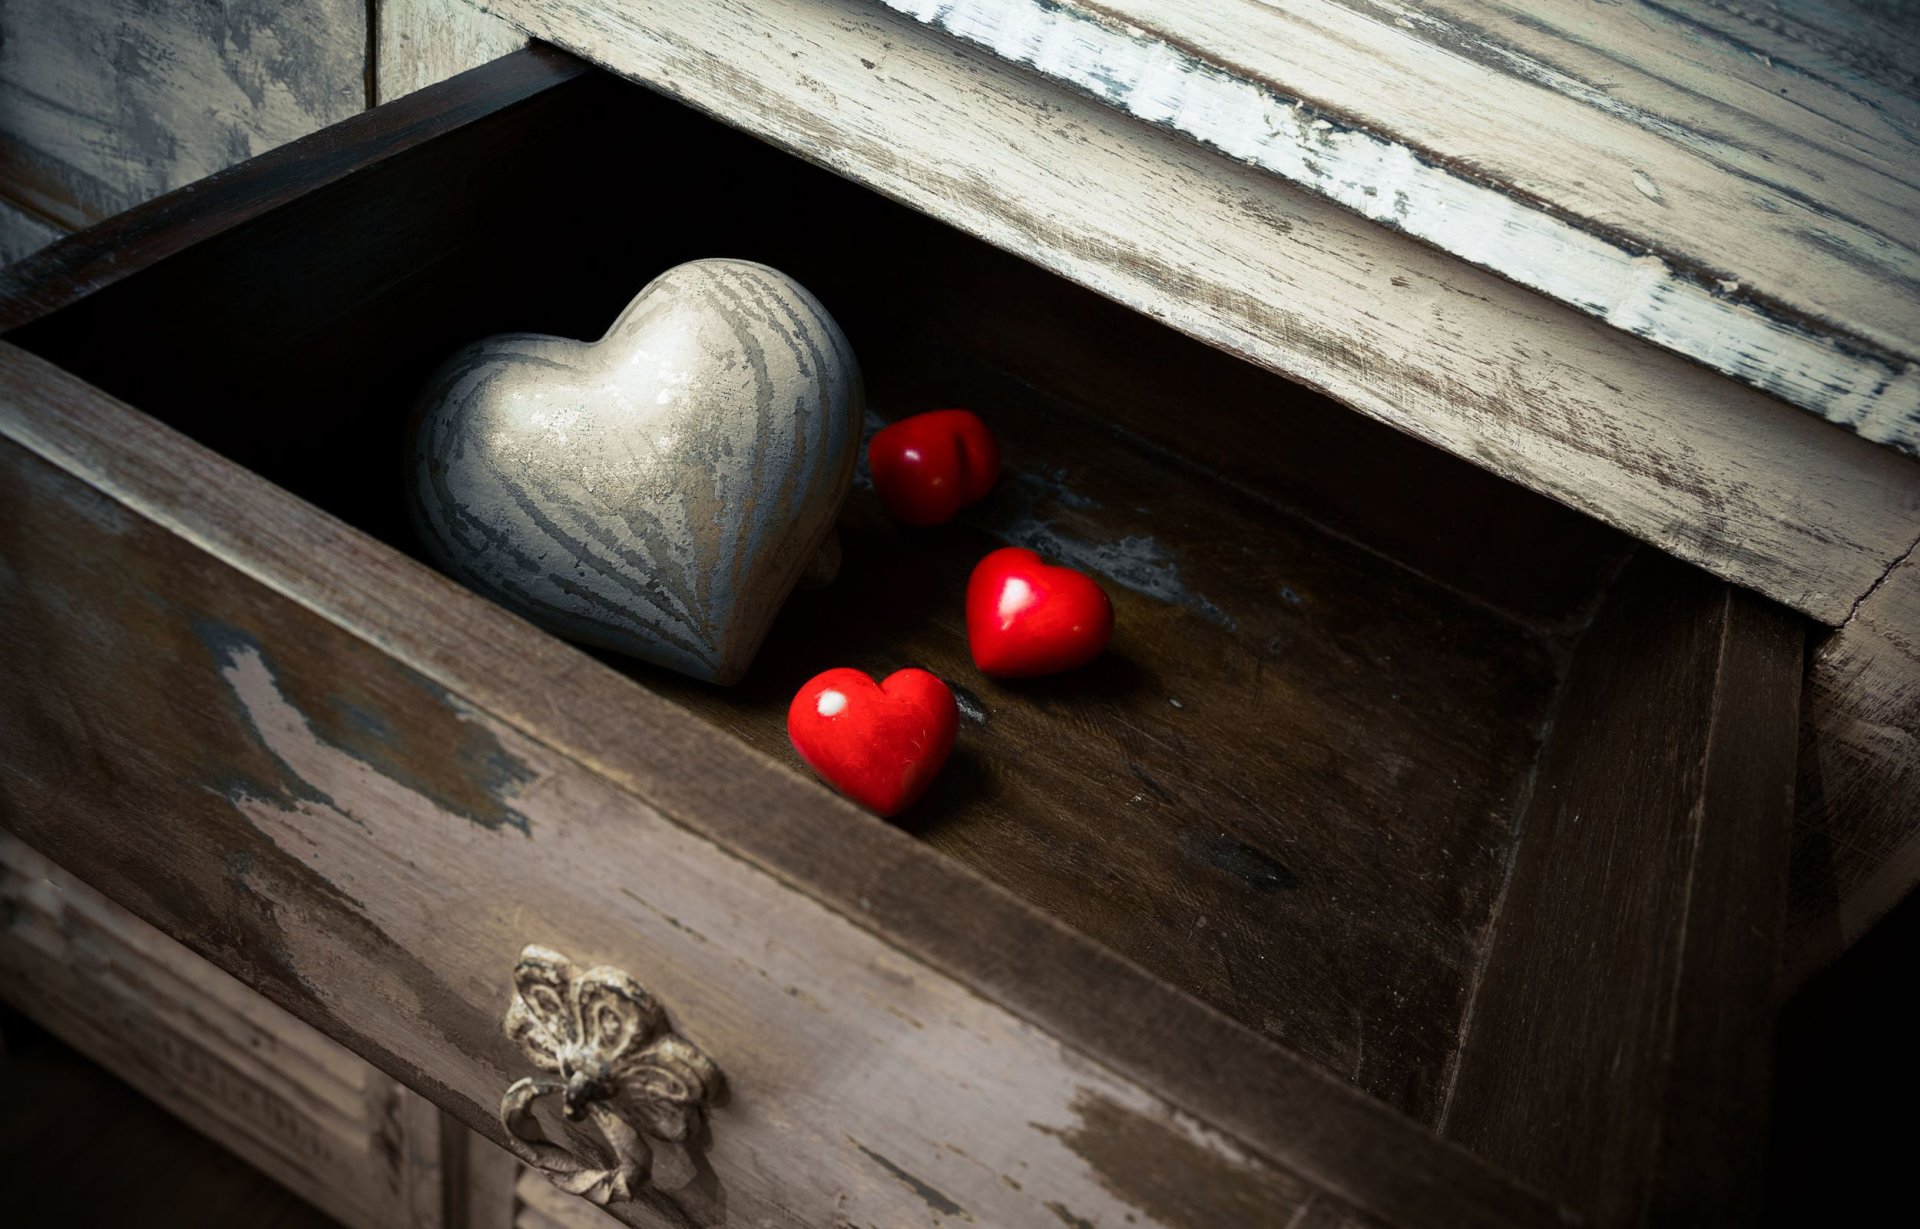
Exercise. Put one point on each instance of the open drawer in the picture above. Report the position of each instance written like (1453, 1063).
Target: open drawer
(1414, 857)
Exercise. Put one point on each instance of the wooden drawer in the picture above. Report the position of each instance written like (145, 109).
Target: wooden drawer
(324, 1123)
(1415, 857)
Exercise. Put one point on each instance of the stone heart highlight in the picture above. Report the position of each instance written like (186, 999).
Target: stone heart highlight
(658, 492)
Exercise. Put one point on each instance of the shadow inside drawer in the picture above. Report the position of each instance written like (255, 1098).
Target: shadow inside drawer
(1291, 788)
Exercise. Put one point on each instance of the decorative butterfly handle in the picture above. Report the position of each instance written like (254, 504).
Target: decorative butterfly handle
(611, 1060)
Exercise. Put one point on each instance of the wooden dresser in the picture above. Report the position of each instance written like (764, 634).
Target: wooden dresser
(1497, 436)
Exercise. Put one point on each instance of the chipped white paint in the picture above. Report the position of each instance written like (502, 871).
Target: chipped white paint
(1701, 467)
(1854, 381)
(838, 1049)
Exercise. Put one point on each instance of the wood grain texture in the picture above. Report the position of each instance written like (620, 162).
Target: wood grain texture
(65, 1110)
(488, 1198)
(418, 43)
(1857, 850)
(149, 234)
(1678, 458)
(1271, 662)
(22, 234)
(1719, 475)
(1619, 1043)
(1288, 788)
(1645, 164)
(269, 1087)
(107, 103)
(334, 768)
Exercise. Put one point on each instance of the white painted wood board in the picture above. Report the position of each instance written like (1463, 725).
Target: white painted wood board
(1736, 185)
(1538, 392)
(418, 43)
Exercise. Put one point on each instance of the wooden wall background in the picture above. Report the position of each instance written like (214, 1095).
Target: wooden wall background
(106, 103)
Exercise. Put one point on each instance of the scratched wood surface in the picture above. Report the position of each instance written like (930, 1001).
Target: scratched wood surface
(329, 807)
(1439, 640)
(1538, 392)
(1204, 802)
(271, 1088)
(1857, 847)
(418, 43)
(22, 234)
(1618, 1048)
(1734, 184)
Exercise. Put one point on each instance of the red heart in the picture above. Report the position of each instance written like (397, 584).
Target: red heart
(928, 467)
(1025, 617)
(880, 744)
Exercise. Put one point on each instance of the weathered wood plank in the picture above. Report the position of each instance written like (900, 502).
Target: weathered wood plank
(419, 43)
(1675, 455)
(1288, 789)
(69, 1113)
(371, 800)
(107, 103)
(1646, 165)
(147, 235)
(1679, 458)
(1857, 849)
(22, 234)
(1618, 1047)
(539, 1205)
(269, 1087)
(487, 1198)
(1321, 858)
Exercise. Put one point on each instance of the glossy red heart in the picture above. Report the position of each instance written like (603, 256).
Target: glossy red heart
(928, 467)
(1027, 617)
(880, 744)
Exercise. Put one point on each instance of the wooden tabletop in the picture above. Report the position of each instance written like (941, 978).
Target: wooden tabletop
(1737, 183)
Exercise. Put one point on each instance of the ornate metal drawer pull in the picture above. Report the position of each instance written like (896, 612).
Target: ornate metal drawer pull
(618, 1064)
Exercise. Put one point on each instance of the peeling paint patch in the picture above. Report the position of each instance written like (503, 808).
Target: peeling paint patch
(234, 651)
(1137, 562)
(454, 762)
(969, 704)
(1180, 1174)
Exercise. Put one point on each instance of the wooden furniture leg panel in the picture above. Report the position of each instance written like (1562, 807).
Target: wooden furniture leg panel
(1643, 912)
(323, 1123)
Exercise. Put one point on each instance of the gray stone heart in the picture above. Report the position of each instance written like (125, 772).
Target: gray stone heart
(658, 492)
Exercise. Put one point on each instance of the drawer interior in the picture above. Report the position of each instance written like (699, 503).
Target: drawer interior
(1293, 786)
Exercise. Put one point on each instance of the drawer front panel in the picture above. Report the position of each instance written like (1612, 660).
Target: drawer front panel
(372, 851)
(267, 1086)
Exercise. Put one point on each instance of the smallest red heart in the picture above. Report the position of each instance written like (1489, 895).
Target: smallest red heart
(880, 744)
(1026, 617)
(928, 467)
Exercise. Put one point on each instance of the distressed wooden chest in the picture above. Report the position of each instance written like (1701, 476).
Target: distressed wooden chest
(1416, 857)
